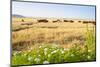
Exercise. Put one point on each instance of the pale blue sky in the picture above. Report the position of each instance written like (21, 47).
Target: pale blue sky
(31, 9)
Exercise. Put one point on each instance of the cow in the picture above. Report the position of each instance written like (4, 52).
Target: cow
(71, 21)
(66, 21)
(79, 21)
(93, 22)
(56, 21)
(43, 20)
(84, 22)
(27, 23)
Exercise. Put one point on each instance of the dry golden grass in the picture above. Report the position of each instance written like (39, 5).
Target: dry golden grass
(62, 33)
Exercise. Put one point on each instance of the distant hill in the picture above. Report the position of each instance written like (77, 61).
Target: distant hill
(18, 16)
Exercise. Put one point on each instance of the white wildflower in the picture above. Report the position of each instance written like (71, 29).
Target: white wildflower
(62, 51)
(39, 55)
(24, 54)
(17, 52)
(49, 55)
(40, 46)
(30, 58)
(88, 57)
(67, 49)
(37, 59)
(54, 52)
(45, 62)
(89, 50)
(72, 55)
(45, 51)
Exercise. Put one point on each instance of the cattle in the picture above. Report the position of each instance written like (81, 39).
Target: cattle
(66, 21)
(56, 21)
(71, 21)
(43, 20)
(93, 22)
(79, 21)
(27, 23)
(84, 22)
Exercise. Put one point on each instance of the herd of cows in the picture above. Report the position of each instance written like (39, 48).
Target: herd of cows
(58, 20)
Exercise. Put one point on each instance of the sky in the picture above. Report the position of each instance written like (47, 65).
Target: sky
(32, 9)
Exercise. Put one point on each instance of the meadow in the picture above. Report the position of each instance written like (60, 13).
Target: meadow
(51, 40)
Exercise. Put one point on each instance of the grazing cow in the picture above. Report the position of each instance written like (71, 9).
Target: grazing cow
(43, 20)
(93, 22)
(27, 23)
(57, 21)
(66, 21)
(79, 21)
(71, 21)
(84, 22)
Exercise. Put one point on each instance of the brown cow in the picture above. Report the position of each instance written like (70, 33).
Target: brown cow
(93, 22)
(56, 21)
(79, 21)
(71, 21)
(84, 22)
(66, 21)
(27, 23)
(43, 20)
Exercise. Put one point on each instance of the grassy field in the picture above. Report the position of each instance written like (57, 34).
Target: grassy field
(35, 42)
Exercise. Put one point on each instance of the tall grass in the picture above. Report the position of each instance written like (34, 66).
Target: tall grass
(52, 53)
(91, 43)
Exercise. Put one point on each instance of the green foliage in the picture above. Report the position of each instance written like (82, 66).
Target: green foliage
(46, 54)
